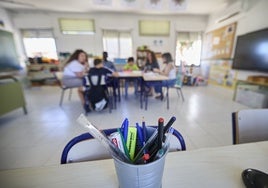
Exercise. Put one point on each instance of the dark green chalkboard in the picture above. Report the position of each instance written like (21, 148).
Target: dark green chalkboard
(8, 54)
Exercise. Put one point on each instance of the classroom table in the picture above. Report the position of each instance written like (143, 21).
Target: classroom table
(130, 74)
(219, 167)
(153, 77)
(144, 77)
(126, 75)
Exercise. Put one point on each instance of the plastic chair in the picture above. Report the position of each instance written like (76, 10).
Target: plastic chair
(178, 86)
(250, 125)
(58, 76)
(95, 153)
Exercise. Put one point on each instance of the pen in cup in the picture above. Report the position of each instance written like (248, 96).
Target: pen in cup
(125, 130)
(144, 129)
(165, 147)
(102, 138)
(140, 135)
(160, 133)
(150, 141)
(168, 125)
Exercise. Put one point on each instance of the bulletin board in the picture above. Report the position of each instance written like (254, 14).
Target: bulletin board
(217, 56)
(218, 44)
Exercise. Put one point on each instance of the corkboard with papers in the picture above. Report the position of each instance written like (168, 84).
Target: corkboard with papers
(218, 44)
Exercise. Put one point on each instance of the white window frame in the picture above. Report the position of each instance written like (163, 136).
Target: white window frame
(41, 41)
(115, 45)
(192, 47)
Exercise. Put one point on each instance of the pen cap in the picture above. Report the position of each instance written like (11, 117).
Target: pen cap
(144, 175)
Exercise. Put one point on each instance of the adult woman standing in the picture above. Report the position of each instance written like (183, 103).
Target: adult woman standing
(75, 69)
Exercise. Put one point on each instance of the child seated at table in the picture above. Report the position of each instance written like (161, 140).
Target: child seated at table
(169, 70)
(131, 66)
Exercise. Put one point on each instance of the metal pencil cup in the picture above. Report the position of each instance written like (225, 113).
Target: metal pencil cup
(140, 176)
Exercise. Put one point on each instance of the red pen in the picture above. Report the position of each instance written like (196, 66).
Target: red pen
(160, 133)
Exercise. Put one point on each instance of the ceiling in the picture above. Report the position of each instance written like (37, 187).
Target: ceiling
(200, 7)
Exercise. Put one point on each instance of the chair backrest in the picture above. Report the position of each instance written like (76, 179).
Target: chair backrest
(250, 125)
(86, 151)
(58, 76)
(179, 79)
(96, 93)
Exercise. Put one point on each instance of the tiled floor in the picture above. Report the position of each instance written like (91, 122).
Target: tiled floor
(37, 139)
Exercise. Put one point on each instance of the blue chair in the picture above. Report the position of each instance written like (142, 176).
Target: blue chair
(102, 154)
(178, 86)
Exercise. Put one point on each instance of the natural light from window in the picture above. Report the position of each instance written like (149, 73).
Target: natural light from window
(117, 44)
(40, 47)
(188, 49)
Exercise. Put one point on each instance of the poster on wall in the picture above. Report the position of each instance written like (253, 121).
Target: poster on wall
(217, 54)
(221, 73)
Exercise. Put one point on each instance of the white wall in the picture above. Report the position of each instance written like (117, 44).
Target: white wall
(93, 43)
(7, 22)
(254, 17)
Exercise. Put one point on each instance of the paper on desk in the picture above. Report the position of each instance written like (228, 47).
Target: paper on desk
(149, 73)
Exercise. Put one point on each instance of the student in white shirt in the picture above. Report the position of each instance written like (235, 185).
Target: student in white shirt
(169, 70)
(74, 70)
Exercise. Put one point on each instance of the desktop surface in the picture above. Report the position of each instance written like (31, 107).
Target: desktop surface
(208, 167)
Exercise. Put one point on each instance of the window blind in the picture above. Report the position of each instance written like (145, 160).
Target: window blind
(154, 28)
(77, 26)
(37, 33)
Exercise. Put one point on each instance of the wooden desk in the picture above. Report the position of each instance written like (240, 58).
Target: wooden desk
(210, 167)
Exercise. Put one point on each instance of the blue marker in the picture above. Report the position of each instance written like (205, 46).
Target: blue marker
(140, 135)
(125, 132)
(124, 129)
(123, 125)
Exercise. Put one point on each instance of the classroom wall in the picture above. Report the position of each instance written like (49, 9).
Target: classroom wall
(253, 17)
(7, 22)
(93, 43)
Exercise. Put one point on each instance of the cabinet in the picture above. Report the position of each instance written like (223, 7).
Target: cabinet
(252, 94)
(11, 95)
(42, 74)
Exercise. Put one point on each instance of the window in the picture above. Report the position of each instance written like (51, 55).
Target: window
(39, 43)
(154, 28)
(77, 26)
(118, 44)
(188, 48)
